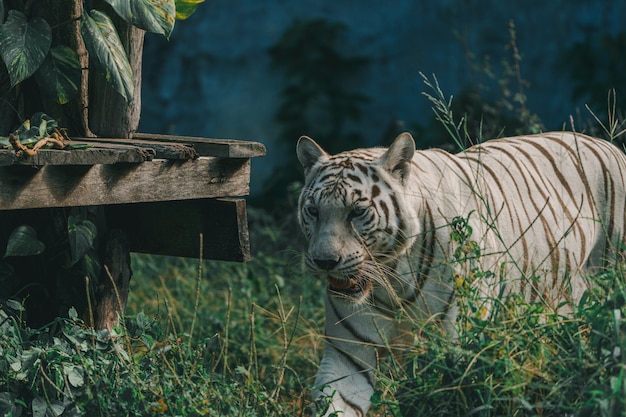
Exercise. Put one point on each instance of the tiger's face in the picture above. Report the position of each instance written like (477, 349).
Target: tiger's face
(351, 212)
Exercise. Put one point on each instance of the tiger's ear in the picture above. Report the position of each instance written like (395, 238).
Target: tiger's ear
(397, 159)
(309, 152)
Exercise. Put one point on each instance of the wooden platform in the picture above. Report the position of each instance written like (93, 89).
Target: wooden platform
(164, 190)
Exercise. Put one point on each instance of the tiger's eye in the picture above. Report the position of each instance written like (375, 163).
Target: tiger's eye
(357, 212)
(312, 211)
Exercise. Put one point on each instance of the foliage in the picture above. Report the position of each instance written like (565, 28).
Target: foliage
(40, 131)
(522, 360)
(318, 98)
(235, 341)
(217, 338)
(596, 66)
(494, 106)
(28, 45)
(61, 248)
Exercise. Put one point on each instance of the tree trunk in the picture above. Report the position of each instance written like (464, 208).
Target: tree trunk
(112, 291)
(64, 15)
(109, 114)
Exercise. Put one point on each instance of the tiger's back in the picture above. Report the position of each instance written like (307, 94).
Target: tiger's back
(549, 206)
(379, 226)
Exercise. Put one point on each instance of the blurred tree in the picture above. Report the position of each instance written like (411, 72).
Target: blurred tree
(317, 99)
(597, 65)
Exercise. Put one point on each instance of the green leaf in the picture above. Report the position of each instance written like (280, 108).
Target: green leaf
(8, 404)
(81, 234)
(92, 267)
(39, 126)
(41, 407)
(185, 8)
(24, 45)
(107, 52)
(23, 242)
(43, 123)
(156, 16)
(59, 74)
(15, 305)
(71, 146)
(75, 375)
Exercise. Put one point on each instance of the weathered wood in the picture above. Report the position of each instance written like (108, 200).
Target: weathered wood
(156, 180)
(112, 290)
(90, 156)
(7, 157)
(224, 148)
(173, 228)
(164, 150)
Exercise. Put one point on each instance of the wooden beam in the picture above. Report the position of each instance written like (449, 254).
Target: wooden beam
(163, 150)
(24, 187)
(97, 154)
(173, 228)
(224, 148)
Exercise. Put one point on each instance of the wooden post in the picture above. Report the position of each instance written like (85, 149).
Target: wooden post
(112, 291)
(111, 116)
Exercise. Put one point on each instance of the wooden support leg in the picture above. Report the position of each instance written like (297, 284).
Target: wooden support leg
(112, 291)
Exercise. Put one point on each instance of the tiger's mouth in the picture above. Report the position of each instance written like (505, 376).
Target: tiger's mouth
(353, 287)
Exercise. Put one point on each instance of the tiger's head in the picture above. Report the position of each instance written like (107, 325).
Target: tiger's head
(353, 212)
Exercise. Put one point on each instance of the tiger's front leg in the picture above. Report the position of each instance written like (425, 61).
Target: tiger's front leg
(346, 374)
(346, 389)
(345, 383)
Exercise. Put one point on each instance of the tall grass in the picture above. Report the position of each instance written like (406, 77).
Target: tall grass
(210, 338)
(526, 360)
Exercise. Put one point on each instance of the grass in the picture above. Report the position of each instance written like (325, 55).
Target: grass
(525, 360)
(244, 340)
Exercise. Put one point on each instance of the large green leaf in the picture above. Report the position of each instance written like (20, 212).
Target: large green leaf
(185, 8)
(43, 408)
(24, 45)
(107, 52)
(59, 74)
(23, 242)
(152, 15)
(81, 234)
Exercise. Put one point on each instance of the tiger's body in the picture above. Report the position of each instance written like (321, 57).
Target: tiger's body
(378, 222)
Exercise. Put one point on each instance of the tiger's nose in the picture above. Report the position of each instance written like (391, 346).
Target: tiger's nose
(326, 264)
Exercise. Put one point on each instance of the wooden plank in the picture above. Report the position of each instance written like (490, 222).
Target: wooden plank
(173, 228)
(157, 180)
(89, 156)
(164, 150)
(7, 157)
(225, 148)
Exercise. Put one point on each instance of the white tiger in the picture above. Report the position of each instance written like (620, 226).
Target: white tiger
(378, 225)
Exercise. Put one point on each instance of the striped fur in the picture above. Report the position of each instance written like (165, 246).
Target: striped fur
(378, 224)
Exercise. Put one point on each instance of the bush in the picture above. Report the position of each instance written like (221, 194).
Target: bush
(525, 362)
